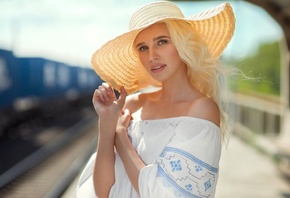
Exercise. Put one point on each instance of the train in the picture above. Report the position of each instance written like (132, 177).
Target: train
(35, 86)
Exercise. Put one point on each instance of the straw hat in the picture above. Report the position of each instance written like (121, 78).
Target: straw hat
(117, 63)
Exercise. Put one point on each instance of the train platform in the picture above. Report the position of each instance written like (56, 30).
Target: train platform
(247, 170)
(244, 172)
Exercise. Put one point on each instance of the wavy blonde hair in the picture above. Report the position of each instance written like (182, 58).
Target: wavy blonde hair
(205, 72)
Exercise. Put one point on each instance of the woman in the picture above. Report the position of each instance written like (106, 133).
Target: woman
(166, 142)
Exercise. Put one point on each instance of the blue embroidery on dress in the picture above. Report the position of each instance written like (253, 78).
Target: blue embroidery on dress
(169, 182)
(188, 187)
(163, 154)
(198, 168)
(191, 157)
(186, 175)
(175, 165)
(207, 184)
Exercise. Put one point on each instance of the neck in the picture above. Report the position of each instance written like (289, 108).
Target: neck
(174, 91)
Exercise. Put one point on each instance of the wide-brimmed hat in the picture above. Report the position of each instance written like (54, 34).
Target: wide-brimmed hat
(117, 63)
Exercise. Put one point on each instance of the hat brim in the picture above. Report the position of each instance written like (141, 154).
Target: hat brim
(117, 63)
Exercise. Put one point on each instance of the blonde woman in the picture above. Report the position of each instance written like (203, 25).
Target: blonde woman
(167, 142)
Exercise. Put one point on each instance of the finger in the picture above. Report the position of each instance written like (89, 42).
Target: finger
(122, 97)
(108, 87)
(104, 92)
(127, 112)
(110, 91)
(98, 96)
(127, 116)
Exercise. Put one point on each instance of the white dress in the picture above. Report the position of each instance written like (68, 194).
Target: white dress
(181, 155)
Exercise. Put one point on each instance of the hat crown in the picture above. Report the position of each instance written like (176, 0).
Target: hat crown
(117, 63)
(154, 12)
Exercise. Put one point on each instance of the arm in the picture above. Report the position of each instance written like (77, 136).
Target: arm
(132, 162)
(144, 176)
(188, 164)
(194, 147)
(108, 109)
(103, 174)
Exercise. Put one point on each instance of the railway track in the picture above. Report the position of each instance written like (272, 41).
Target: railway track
(47, 171)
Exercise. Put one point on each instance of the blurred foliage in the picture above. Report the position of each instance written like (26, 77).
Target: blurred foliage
(262, 70)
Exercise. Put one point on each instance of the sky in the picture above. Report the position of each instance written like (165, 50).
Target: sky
(71, 30)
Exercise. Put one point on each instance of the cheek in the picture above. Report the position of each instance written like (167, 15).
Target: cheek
(173, 54)
(175, 58)
(143, 59)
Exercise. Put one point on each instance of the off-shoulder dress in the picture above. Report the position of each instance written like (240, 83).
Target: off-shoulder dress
(181, 155)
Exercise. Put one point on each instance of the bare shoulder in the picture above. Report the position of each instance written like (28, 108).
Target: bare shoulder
(205, 108)
(136, 101)
(132, 101)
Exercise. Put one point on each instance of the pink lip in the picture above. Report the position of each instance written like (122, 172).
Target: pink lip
(157, 68)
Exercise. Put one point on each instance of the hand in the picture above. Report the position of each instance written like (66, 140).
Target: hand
(105, 102)
(123, 122)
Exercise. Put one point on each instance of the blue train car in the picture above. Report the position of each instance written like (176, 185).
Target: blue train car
(8, 72)
(83, 81)
(29, 85)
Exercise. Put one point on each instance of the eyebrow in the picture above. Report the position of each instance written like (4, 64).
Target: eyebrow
(154, 39)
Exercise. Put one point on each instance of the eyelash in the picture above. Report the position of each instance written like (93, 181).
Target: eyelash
(160, 42)
(142, 48)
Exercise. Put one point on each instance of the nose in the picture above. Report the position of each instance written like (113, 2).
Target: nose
(153, 55)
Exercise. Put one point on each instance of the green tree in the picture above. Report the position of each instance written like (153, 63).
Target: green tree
(263, 69)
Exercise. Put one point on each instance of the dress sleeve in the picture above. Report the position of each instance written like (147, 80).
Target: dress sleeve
(85, 186)
(188, 166)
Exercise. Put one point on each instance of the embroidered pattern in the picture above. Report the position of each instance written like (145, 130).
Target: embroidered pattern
(207, 185)
(175, 165)
(186, 175)
(198, 168)
(188, 187)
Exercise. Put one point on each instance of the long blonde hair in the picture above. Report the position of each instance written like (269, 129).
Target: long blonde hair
(205, 72)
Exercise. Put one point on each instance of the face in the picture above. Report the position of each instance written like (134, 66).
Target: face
(157, 53)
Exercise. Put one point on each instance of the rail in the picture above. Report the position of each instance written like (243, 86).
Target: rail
(262, 115)
(264, 122)
(48, 171)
